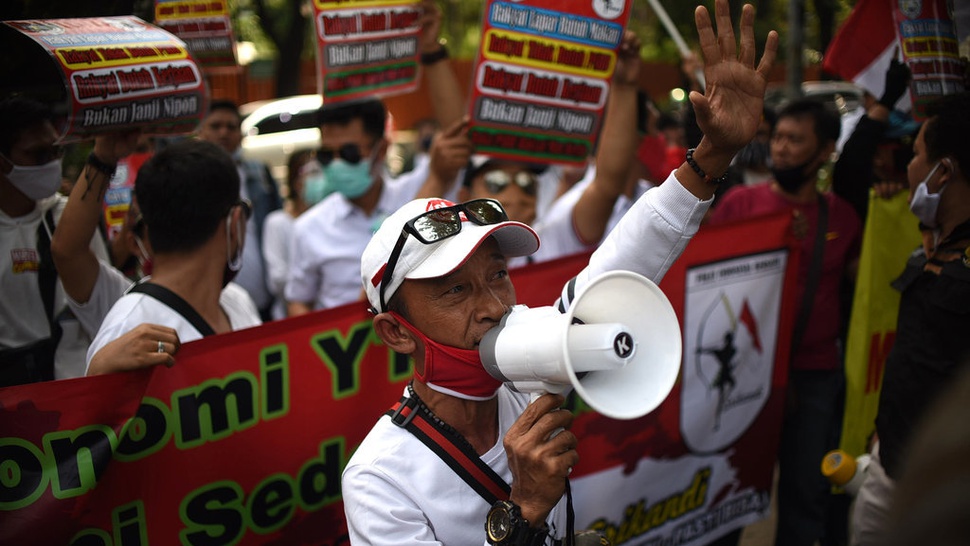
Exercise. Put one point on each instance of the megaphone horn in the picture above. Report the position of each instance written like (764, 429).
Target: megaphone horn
(619, 346)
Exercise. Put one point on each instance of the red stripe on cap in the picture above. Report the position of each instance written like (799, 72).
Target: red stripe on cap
(376, 279)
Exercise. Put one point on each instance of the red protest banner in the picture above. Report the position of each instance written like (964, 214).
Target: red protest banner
(701, 465)
(366, 48)
(244, 439)
(542, 77)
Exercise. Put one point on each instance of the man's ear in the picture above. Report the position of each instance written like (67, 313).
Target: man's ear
(951, 167)
(239, 225)
(394, 334)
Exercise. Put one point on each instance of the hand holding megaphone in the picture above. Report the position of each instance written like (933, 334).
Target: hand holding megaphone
(619, 346)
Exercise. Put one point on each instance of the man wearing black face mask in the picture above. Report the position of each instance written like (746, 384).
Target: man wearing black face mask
(829, 232)
(189, 198)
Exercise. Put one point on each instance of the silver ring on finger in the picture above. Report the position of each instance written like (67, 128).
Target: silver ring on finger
(161, 346)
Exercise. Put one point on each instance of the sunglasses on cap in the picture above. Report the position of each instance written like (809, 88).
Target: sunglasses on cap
(497, 180)
(349, 152)
(439, 224)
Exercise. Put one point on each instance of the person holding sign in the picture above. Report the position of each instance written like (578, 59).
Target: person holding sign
(436, 291)
(39, 338)
(579, 219)
(329, 238)
(189, 197)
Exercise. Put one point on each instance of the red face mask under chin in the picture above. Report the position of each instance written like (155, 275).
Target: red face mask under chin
(453, 371)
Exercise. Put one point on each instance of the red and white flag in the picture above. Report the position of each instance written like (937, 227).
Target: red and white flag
(864, 45)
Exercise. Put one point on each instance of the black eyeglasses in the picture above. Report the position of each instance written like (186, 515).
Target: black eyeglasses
(496, 181)
(348, 152)
(439, 224)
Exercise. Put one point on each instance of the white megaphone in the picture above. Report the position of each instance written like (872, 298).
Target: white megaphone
(618, 345)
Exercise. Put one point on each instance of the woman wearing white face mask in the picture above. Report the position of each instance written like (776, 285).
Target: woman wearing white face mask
(930, 347)
(39, 338)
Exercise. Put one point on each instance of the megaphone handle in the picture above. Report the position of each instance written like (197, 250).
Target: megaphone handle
(533, 396)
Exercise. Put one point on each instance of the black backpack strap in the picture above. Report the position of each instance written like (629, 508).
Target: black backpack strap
(177, 304)
(451, 447)
(47, 282)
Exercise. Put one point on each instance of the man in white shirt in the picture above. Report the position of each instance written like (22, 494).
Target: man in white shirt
(221, 126)
(329, 238)
(436, 276)
(189, 197)
(39, 337)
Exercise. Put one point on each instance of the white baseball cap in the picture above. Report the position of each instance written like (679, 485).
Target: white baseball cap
(418, 260)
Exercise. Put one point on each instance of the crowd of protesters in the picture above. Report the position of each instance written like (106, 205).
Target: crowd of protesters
(212, 243)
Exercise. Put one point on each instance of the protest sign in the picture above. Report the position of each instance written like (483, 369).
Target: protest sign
(543, 76)
(204, 26)
(366, 48)
(108, 74)
(930, 49)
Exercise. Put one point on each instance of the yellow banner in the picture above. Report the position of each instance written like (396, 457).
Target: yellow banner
(891, 234)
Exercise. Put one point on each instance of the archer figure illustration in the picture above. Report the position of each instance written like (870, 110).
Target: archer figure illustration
(724, 381)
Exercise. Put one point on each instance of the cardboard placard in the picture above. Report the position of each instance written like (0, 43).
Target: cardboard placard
(204, 26)
(366, 48)
(928, 40)
(107, 74)
(543, 76)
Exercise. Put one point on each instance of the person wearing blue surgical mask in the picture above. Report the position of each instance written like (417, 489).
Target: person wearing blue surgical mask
(39, 338)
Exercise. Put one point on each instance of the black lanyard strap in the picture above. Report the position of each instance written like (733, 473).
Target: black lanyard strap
(177, 304)
(451, 447)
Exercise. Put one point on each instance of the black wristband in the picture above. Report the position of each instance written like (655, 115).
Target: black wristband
(101, 166)
(700, 172)
(431, 58)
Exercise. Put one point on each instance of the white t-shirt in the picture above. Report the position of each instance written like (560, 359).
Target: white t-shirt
(137, 308)
(329, 239)
(397, 491)
(22, 316)
(277, 235)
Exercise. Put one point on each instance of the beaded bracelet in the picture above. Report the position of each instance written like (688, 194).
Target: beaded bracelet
(100, 166)
(700, 172)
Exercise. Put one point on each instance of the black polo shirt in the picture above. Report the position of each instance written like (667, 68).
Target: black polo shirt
(932, 343)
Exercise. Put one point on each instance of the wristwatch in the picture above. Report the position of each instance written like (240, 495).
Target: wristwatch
(505, 525)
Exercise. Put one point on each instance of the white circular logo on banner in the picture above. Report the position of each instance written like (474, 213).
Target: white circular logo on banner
(911, 8)
(608, 9)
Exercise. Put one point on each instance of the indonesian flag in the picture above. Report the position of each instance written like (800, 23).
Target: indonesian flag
(863, 47)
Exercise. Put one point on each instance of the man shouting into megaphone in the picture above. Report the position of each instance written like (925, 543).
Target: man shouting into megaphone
(461, 459)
